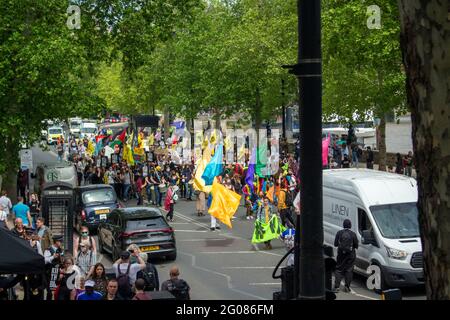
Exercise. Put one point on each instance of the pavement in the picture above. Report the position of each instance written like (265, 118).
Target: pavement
(224, 264)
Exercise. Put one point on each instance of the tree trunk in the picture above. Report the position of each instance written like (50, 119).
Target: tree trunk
(258, 119)
(166, 123)
(382, 144)
(425, 43)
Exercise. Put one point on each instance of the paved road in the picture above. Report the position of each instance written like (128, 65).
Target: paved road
(224, 265)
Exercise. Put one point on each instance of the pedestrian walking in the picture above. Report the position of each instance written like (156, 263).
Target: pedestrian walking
(126, 272)
(177, 287)
(112, 291)
(170, 201)
(7, 205)
(409, 164)
(399, 164)
(201, 203)
(22, 211)
(347, 243)
(140, 294)
(369, 161)
(99, 277)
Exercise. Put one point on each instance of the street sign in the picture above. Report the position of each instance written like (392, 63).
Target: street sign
(52, 176)
(26, 159)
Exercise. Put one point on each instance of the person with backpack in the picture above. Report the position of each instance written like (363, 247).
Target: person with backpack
(86, 260)
(126, 272)
(285, 202)
(347, 243)
(85, 238)
(149, 275)
(177, 287)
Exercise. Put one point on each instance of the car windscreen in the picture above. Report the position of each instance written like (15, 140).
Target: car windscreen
(98, 195)
(74, 125)
(147, 223)
(397, 221)
(88, 130)
(55, 131)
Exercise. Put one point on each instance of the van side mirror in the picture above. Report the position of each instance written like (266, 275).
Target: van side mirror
(368, 237)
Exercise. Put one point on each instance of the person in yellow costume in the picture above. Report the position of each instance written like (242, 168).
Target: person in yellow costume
(264, 214)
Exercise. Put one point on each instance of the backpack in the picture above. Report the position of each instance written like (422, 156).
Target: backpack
(123, 281)
(288, 201)
(179, 288)
(149, 277)
(346, 242)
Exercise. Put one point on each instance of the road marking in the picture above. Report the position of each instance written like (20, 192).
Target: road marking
(179, 223)
(227, 277)
(205, 239)
(265, 283)
(217, 252)
(361, 295)
(176, 230)
(182, 216)
(248, 268)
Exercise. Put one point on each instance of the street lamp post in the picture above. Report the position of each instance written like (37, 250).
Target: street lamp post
(309, 261)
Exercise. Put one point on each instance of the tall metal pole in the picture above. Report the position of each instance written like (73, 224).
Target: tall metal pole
(283, 122)
(309, 262)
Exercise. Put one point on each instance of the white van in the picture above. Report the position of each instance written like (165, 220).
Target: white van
(88, 130)
(75, 125)
(384, 216)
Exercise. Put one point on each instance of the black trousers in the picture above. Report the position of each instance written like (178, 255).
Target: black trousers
(286, 218)
(170, 213)
(344, 269)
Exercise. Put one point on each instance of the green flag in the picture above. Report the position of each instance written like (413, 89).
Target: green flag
(261, 160)
(267, 231)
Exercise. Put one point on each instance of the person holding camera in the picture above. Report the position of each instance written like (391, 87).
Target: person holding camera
(126, 271)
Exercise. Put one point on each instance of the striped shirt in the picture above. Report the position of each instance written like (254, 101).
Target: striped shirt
(85, 261)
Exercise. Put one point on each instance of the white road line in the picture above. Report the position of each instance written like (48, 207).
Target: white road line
(182, 216)
(217, 252)
(265, 284)
(248, 268)
(361, 295)
(227, 277)
(176, 230)
(194, 240)
(179, 223)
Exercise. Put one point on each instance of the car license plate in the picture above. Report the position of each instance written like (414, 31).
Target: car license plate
(103, 217)
(149, 248)
(103, 211)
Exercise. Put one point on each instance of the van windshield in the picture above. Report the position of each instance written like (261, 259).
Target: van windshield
(55, 131)
(398, 220)
(88, 130)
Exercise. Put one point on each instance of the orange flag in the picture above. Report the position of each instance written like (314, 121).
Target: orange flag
(224, 203)
(270, 193)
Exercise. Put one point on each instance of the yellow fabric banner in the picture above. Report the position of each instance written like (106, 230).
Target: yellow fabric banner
(199, 183)
(224, 204)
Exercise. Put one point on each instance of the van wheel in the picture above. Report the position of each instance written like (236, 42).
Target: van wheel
(383, 283)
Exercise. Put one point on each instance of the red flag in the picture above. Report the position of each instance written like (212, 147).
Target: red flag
(99, 137)
(121, 137)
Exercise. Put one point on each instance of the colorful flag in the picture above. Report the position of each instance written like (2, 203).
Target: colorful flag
(90, 148)
(199, 183)
(267, 231)
(251, 170)
(224, 203)
(325, 145)
(261, 162)
(214, 167)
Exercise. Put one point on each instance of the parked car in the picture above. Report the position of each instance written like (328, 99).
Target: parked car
(88, 130)
(93, 203)
(145, 227)
(51, 172)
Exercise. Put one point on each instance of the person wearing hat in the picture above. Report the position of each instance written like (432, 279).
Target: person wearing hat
(124, 269)
(89, 293)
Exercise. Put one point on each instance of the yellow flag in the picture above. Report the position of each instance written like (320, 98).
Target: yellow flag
(224, 204)
(128, 155)
(90, 148)
(130, 138)
(213, 138)
(227, 144)
(151, 140)
(270, 193)
(241, 153)
(199, 183)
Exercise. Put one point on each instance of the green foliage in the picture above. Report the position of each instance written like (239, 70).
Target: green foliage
(362, 66)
